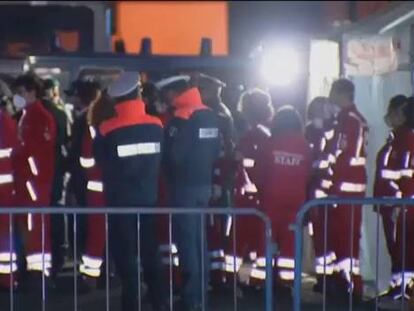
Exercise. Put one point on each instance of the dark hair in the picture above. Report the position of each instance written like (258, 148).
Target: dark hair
(397, 102)
(287, 119)
(409, 112)
(87, 91)
(103, 110)
(314, 105)
(344, 87)
(30, 82)
(256, 105)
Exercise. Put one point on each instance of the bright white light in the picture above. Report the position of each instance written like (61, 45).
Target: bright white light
(48, 71)
(280, 66)
(32, 60)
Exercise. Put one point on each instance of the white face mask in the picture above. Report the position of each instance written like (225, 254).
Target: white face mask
(318, 123)
(19, 102)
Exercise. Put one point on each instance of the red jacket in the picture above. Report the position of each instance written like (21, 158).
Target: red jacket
(386, 175)
(403, 161)
(8, 143)
(250, 146)
(35, 156)
(348, 162)
(323, 151)
(283, 170)
(93, 172)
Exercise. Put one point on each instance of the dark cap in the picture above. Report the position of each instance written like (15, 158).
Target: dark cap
(79, 87)
(50, 83)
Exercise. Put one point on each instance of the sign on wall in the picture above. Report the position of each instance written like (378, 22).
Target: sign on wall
(371, 55)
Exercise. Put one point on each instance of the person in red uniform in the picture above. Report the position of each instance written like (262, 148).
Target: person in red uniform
(402, 164)
(319, 134)
(318, 121)
(385, 176)
(346, 179)
(284, 168)
(256, 107)
(35, 164)
(8, 142)
(95, 234)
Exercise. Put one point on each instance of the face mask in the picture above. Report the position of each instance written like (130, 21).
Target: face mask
(19, 102)
(318, 123)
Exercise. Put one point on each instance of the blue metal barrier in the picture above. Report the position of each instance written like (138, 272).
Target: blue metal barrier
(331, 203)
(234, 212)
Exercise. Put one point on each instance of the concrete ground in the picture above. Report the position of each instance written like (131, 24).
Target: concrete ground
(62, 299)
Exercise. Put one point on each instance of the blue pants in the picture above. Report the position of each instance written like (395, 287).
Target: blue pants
(190, 234)
(123, 246)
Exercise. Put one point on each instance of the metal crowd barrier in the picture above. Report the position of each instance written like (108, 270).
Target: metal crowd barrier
(329, 203)
(75, 212)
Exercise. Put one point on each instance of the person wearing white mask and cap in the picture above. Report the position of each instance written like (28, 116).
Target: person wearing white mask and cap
(128, 149)
(35, 170)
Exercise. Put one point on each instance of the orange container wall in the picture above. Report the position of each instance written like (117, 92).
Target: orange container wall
(175, 27)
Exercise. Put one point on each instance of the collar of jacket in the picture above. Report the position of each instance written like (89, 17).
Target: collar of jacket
(187, 103)
(36, 104)
(128, 113)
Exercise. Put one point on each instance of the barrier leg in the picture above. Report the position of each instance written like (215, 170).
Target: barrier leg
(139, 259)
(11, 262)
(378, 209)
(234, 263)
(107, 261)
(298, 264)
(75, 263)
(269, 268)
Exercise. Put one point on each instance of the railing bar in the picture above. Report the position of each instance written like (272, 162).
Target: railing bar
(269, 266)
(325, 251)
(43, 265)
(11, 262)
(75, 262)
(139, 259)
(351, 263)
(404, 241)
(377, 258)
(203, 263)
(234, 240)
(107, 261)
(170, 243)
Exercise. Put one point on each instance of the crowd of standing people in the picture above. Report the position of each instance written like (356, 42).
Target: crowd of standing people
(175, 143)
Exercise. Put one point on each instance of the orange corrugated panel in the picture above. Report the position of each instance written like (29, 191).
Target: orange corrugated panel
(176, 27)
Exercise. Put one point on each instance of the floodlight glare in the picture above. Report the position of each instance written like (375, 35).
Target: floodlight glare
(280, 66)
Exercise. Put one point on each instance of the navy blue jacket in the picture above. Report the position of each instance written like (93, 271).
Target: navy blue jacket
(192, 142)
(128, 149)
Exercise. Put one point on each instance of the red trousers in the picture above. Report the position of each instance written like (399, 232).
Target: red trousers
(405, 263)
(95, 241)
(342, 239)
(35, 227)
